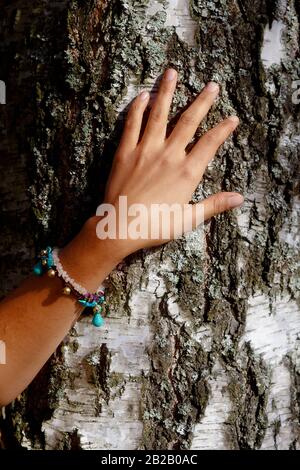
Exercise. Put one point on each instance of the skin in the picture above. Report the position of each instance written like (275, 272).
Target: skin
(148, 168)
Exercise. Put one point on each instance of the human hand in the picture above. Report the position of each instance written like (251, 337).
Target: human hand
(156, 169)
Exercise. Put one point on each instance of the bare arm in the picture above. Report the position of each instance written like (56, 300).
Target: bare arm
(35, 318)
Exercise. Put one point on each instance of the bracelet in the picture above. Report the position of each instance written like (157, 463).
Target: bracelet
(49, 261)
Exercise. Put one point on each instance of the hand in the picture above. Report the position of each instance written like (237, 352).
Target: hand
(156, 169)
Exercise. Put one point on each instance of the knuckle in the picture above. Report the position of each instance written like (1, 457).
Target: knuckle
(143, 154)
(132, 114)
(129, 123)
(164, 87)
(212, 138)
(119, 157)
(219, 134)
(188, 119)
(156, 114)
(133, 109)
(188, 172)
(206, 96)
(167, 153)
(167, 161)
(218, 203)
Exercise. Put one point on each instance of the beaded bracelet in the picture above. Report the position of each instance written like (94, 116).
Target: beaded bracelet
(49, 261)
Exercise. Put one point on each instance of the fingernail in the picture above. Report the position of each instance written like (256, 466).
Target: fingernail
(212, 86)
(236, 200)
(234, 119)
(170, 74)
(144, 95)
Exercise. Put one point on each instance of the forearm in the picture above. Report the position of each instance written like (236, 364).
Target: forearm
(36, 317)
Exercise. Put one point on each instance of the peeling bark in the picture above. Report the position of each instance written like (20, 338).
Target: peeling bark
(201, 348)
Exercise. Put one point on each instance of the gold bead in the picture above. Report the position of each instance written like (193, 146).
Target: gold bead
(51, 273)
(44, 253)
(66, 290)
(44, 262)
(97, 309)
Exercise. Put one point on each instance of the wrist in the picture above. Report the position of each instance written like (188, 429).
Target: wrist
(87, 259)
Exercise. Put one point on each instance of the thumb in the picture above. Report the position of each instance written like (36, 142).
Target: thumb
(214, 205)
(221, 202)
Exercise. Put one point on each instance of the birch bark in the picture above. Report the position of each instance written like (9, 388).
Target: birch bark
(201, 348)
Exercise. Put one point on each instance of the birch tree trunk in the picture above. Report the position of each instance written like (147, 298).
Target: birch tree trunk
(201, 348)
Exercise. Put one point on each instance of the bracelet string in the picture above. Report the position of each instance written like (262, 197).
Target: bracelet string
(49, 261)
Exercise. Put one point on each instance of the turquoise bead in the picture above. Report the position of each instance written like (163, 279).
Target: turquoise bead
(38, 269)
(97, 320)
(50, 261)
(87, 304)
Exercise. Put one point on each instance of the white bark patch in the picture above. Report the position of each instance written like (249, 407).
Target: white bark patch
(290, 234)
(119, 426)
(178, 15)
(279, 411)
(273, 335)
(204, 337)
(210, 433)
(273, 51)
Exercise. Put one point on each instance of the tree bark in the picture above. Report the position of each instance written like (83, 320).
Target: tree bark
(201, 347)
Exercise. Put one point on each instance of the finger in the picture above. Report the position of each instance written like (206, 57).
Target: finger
(158, 118)
(206, 147)
(214, 205)
(190, 119)
(133, 123)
